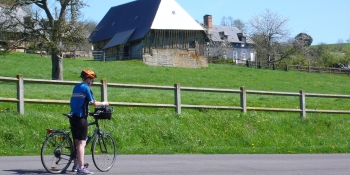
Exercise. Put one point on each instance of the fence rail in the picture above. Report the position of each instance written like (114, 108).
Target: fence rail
(313, 69)
(20, 100)
(300, 68)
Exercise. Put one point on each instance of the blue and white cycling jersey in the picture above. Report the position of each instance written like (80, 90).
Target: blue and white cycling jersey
(81, 97)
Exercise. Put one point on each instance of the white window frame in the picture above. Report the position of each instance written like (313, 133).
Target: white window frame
(234, 55)
(244, 55)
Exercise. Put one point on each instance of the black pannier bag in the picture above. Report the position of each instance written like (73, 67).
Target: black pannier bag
(103, 112)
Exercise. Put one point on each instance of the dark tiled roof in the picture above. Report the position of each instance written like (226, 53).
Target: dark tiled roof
(132, 21)
(136, 15)
(230, 32)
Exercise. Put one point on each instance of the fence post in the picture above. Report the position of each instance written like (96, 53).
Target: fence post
(20, 94)
(243, 99)
(302, 104)
(177, 96)
(104, 95)
(103, 55)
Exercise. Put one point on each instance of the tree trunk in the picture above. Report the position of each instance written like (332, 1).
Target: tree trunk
(57, 66)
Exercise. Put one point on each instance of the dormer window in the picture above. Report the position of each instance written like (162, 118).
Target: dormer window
(223, 35)
(240, 36)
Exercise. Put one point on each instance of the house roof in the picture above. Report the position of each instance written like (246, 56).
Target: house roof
(230, 32)
(136, 18)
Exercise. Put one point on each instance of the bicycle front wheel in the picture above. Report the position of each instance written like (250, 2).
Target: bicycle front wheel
(104, 151)
(56, 153)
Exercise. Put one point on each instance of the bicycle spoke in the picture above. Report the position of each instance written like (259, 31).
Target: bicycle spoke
(56, 153)
(104, 159)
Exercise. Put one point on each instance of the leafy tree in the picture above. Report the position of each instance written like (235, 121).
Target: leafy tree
(240, 25)
(323, 55)
(304, 39)
(8, 2)
(53, 24)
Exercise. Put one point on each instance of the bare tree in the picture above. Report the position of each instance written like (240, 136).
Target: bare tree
(11, 36)
(229, 21)
(224, 21)
(218, 50)
(54, 25)
(269, 32)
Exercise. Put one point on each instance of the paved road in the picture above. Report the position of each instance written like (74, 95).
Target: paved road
(233, 164)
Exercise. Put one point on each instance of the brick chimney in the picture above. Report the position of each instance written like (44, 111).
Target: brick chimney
(208, 22)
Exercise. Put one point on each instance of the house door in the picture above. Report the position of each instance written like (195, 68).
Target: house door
(126, 52)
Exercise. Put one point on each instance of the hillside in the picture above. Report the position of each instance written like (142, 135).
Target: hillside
(160, 131)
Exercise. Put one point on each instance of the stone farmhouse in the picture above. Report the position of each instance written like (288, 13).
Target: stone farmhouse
(228, 42)
(160, 32)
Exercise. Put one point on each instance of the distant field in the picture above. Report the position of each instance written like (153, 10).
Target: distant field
(161, 131)
(345, 45)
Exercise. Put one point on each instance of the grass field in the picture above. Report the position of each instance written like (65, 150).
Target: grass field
(161, 131)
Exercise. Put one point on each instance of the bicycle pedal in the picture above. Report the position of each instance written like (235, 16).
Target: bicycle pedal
(86, 165)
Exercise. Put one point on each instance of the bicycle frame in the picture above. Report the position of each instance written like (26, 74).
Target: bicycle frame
(96, 131)
(68, 134)
(63, 140)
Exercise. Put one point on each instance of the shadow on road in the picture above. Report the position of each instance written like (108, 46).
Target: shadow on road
(27, 171)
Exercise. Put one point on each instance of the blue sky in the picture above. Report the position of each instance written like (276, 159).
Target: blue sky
(326, 21)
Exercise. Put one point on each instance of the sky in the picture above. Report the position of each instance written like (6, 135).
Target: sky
(326, 21)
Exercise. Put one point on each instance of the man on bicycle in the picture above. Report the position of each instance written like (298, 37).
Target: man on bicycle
(82, 96)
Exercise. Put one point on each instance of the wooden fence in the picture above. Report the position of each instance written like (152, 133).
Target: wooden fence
(313, 69)
(20, 100)
(302, 68)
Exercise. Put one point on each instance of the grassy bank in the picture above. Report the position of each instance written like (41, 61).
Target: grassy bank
(160, 131)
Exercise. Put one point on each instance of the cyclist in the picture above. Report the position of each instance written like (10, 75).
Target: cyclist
(82, 96)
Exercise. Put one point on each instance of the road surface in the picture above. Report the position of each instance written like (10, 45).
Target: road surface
(226, 164)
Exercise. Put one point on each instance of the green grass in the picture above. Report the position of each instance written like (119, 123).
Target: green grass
(161, 131)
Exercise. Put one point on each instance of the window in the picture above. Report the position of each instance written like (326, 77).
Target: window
(192, 44)
(244, 56)
(234, 55)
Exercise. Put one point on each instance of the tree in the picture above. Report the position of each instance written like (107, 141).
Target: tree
(229, 21)
(10, 35)
(304, 39)
(340, 45)
(301, 43)
(8, 2)
(53, 24)
(224, 21)
(240, 25)
(269, 32)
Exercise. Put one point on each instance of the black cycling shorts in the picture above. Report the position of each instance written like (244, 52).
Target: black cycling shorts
(79, 127)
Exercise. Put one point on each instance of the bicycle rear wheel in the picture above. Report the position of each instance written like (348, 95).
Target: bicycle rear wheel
(56, 153)
(104, 151)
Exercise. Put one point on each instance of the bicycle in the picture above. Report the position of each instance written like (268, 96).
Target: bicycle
(58, 149)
